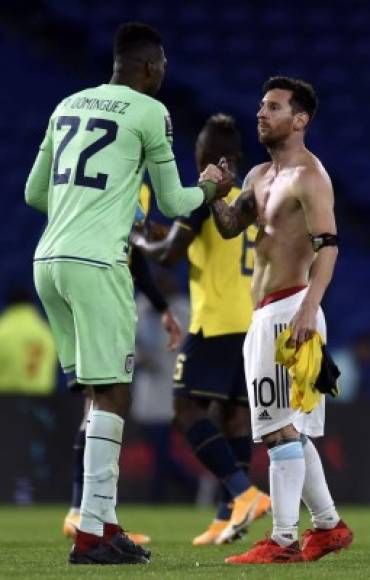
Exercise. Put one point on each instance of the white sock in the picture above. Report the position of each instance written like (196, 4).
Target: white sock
(287, 469)
(316, 494)
(103, 445)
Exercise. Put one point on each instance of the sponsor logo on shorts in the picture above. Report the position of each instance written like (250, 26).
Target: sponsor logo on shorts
(264, 416)
(129, 363)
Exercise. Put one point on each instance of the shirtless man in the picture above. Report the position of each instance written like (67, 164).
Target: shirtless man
(291, 199)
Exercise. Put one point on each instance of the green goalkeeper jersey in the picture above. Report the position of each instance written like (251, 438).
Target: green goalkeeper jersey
(89, 170)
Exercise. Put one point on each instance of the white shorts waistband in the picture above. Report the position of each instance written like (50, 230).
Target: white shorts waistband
(280, 306)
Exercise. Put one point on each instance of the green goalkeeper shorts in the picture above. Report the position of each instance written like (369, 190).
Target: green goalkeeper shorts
(92, 314)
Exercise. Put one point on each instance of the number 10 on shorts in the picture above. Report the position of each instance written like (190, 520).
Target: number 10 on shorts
(267, 392)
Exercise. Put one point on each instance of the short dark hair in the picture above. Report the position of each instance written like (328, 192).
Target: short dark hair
(132, 37)
(220, 137)
(304, 98)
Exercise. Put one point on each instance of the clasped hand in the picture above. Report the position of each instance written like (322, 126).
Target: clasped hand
(220, 175)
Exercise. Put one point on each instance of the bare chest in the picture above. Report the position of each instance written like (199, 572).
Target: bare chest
(275, 198)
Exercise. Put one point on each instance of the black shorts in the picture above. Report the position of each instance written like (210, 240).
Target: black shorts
(211, 368)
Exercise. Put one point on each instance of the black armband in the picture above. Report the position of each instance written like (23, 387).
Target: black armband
(321, 240)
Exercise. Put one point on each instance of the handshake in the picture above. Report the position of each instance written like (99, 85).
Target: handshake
(216, 180)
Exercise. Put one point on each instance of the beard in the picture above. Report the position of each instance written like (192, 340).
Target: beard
(272, 139)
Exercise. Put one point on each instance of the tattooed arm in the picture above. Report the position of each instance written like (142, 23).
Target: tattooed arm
(232, 219)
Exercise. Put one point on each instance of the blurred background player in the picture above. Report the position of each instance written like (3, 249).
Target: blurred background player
(169, 465)
(211, 405)
(143, 281)
(27, 352)
(87, 178)
(28, 365)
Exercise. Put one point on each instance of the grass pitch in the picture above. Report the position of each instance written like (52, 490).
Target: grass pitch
(32, 547)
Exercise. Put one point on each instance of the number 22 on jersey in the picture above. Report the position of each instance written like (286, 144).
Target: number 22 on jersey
(99, 180)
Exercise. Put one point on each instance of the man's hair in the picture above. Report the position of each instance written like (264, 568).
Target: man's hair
(220, 137)
(304, 98)
(131, 38)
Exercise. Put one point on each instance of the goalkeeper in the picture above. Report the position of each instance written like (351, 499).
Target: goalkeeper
(87, 178)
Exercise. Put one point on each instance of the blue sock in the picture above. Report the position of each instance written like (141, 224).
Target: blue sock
(224, 508)
(237, 483)
(242, 447)
(212, 449)
(78, 468)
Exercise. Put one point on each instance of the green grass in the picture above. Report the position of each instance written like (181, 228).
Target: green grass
(32, 547)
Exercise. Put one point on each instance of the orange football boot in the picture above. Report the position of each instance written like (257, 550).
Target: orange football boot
(247, 507)
(211, 534)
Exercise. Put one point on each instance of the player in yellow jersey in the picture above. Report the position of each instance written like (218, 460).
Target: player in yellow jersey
(28, 359)
(211, 406)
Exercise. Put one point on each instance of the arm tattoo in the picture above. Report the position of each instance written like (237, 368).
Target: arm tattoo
(231, 220)
(248, 207)
(226, 218)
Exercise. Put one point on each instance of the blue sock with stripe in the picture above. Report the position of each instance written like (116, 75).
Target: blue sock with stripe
(215, 453)
(242, 447)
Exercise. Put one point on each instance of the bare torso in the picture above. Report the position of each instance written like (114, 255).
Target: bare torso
(283, 253)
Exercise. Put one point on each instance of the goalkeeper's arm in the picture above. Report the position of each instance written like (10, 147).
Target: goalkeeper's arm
(37, 185)
(175, 200)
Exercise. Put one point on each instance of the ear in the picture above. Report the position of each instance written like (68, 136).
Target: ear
(150, 68)
(300, 121)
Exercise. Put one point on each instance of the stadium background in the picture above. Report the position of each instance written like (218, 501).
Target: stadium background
(218, 59)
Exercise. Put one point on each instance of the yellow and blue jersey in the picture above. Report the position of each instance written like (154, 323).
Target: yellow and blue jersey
(143, 206)
(220, 275)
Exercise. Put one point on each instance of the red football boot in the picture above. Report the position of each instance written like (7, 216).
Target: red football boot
(318, 542)
(112, 549)
(268, 552)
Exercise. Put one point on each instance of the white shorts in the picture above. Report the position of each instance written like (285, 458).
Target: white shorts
(269, 383)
